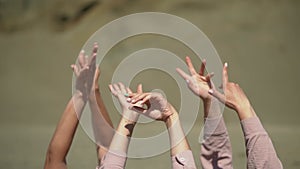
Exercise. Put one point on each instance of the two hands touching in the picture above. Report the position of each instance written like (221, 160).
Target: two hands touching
(202, 86)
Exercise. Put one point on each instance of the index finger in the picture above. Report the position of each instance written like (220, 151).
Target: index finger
(190, 65)
(225, 74)
(139, 88)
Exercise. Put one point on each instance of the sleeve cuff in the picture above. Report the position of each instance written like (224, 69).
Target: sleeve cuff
(114, 158)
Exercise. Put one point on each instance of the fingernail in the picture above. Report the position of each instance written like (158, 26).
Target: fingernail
(82, 51)
(210, 91)
(132, 100)
(226, 64)
(128, 99)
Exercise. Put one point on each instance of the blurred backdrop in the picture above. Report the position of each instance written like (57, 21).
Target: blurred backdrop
(39, 39)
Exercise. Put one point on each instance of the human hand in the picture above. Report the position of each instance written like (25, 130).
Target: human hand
(158, 107)
(122, 93)
(234, 96)
(84, 72)
(96, 79)
(197, 82)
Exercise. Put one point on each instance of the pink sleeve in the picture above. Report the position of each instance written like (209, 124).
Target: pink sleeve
(113, 160)
(183, 160)
(259, 148)
(216, 148)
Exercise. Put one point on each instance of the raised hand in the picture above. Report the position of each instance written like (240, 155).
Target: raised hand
(197, 82)
(158, 107)
(84, 72)
(121, 92)
(233, 97)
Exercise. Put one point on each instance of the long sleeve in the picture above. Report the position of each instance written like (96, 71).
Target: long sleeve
(113, 160)
(216, 147)
(259, 148)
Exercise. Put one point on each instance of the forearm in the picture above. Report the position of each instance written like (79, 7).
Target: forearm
(181, 154)
(215, 146)
(65, 131)
(121, 139)
(102, 125)
(116, 156)
(259, 148)
(176, 135)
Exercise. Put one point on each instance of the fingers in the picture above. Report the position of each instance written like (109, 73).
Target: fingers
(112, 90)
(81, 59)
(129, 91)
(202, 68)
(139, 97)
(95, 48)
(92, 59)
(140, 88)
(209, 81)
(190, 65)
(97, 74)
(117, 89)
(225, 74)
(221, 97)
(183, 74)
(122, 88)
(75, 70)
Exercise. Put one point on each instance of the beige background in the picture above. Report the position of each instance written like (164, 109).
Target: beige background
(40, 39)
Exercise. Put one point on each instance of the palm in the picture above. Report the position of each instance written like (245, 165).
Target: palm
(199, 86)
(84, 71)
(197, 82)
(156, 106)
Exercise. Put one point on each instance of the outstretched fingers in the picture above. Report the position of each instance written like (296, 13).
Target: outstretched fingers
(225, 74)
(183, 74)
(190, 65)
(139, 88)
(82, 59)
(202, 68)
(221, 97)
(75, 69)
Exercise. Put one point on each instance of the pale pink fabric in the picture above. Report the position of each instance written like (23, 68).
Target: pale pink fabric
(113, 160)
(216, 148)
(183, 160)
(259, 148)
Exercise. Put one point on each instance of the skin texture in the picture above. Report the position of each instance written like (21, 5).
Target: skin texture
(121, 139)
(159, 109)
(233, 97)
(86, 86)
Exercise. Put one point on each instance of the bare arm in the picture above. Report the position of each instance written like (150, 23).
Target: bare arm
(66, 128)
(62, 138)
(102, 124)
(116, 156)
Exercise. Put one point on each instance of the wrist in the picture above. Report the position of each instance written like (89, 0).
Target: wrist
(245, 112)
(78, 95)
(130, 116)
(171, 120)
